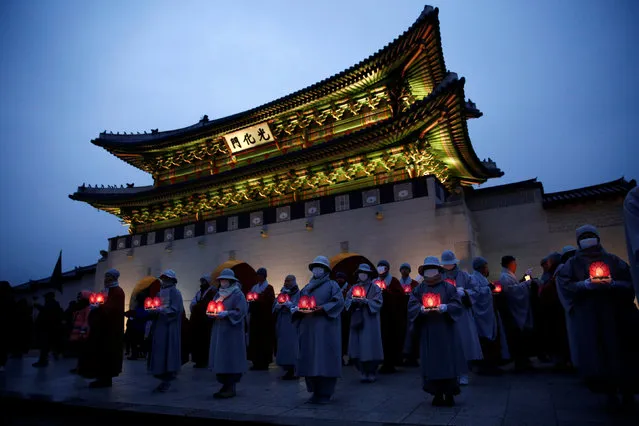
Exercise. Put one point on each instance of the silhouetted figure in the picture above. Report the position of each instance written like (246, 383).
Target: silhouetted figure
(48, 328)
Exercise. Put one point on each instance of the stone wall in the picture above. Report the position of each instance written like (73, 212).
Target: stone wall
(409, 231)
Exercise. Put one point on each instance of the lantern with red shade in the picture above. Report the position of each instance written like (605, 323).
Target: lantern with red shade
(214, 308)
(359, 292)
(251, 296)
(97, 299)
(381, 284)
(498, 288)
(148, 304)
(599, 272)
(307, 304)
(451, 282)
(283, 298)
(431, 301)
(407, 289)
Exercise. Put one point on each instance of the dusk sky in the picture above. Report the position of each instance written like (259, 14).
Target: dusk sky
(557, 82)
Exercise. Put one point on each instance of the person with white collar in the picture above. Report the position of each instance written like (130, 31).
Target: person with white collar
(597, 288)
(319, 359)
(434, 308)
(166, 350)
(365, 343)
(227, 355)
(466, 323)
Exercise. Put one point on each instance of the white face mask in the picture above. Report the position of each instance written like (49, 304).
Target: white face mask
(362, 276)
(588, 242)
(381, 269)
(318, 271)
(430, 273)
(449, 267)
(225, 283)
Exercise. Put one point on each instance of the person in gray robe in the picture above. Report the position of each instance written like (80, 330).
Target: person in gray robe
(631, 220)
(490, 328)
(286, 334)
(597, 288)
(517, 317)
(365, 344)
(227, 355)
(466, 323)
(166, 351)
(441, 355)
(319, 359)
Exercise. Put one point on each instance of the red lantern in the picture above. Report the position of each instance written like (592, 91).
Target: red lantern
(312, 303)
(304, 303)
(451, 282)
(251, 296)
(407, 289)
(92, 299)
(214, 308)
(498, 288)
(100, 299)
(157, 302)
(283, 298)
(431, 301)
(359, 292)
(599, 271)
(148, 303)
(381, 284)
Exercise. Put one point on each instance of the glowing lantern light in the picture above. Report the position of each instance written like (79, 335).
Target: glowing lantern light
(214, 308)
(451, 282)
(381, 284)
(498, 288)
(97, 299)
(407, 289)
(312, 303)
(283, 298)
(307, 303)
(599, 271)
(431, 301)
(359, 292)
(252, 296)
(527, 277)
(148, 303)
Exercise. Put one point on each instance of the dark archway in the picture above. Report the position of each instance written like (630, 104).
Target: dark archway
(243, 271)
(348, 264)
(149, 286)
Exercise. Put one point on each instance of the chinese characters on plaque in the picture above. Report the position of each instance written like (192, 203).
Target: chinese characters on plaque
(249, 137)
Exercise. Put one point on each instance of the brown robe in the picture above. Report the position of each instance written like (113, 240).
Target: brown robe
(392, 316)
(103, 354)
(262, 329)
(201, 329)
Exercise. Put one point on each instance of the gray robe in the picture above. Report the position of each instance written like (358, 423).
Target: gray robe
(466, 322)
(365, 342)
(631, 220)
(227, 354)
(441, 353)
(518, 298)
(320, 341)
(482, 298)
(286, 333)
(569, 327)
(605, 323)
(166, 349)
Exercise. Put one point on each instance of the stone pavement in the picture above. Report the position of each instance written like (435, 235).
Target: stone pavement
(539, 398)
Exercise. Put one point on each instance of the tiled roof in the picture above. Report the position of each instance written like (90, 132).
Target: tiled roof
(616, 188)
(383, 59)
(72, 275)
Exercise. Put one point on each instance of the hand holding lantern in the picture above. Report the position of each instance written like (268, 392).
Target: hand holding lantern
(431, 301)
(359, 292)
(283, 298)
(97, 299)
(251, 296)
(407, 289)
(381, 284)
(600, 273)
(498, 288)
(214, 309)
(152, 303)
(307, 304)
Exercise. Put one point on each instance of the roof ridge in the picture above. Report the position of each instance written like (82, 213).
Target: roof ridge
(619, 181)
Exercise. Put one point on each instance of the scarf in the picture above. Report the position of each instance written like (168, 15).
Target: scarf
(112, 285)
(164, 286)
(405, 282)
(314, 283)
(225, 293)
(259, 288)
(291, 290)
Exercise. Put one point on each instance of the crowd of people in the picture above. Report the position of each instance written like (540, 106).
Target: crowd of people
(579, 315)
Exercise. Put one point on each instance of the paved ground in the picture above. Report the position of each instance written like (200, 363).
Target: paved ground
(540, 398)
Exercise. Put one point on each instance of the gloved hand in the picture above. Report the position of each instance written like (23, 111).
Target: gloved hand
(460, 291)
(288, 304)
(443, 308)
(223, 314)
(294, 308)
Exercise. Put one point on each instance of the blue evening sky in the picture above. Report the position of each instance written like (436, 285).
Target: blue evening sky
(556, 80)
